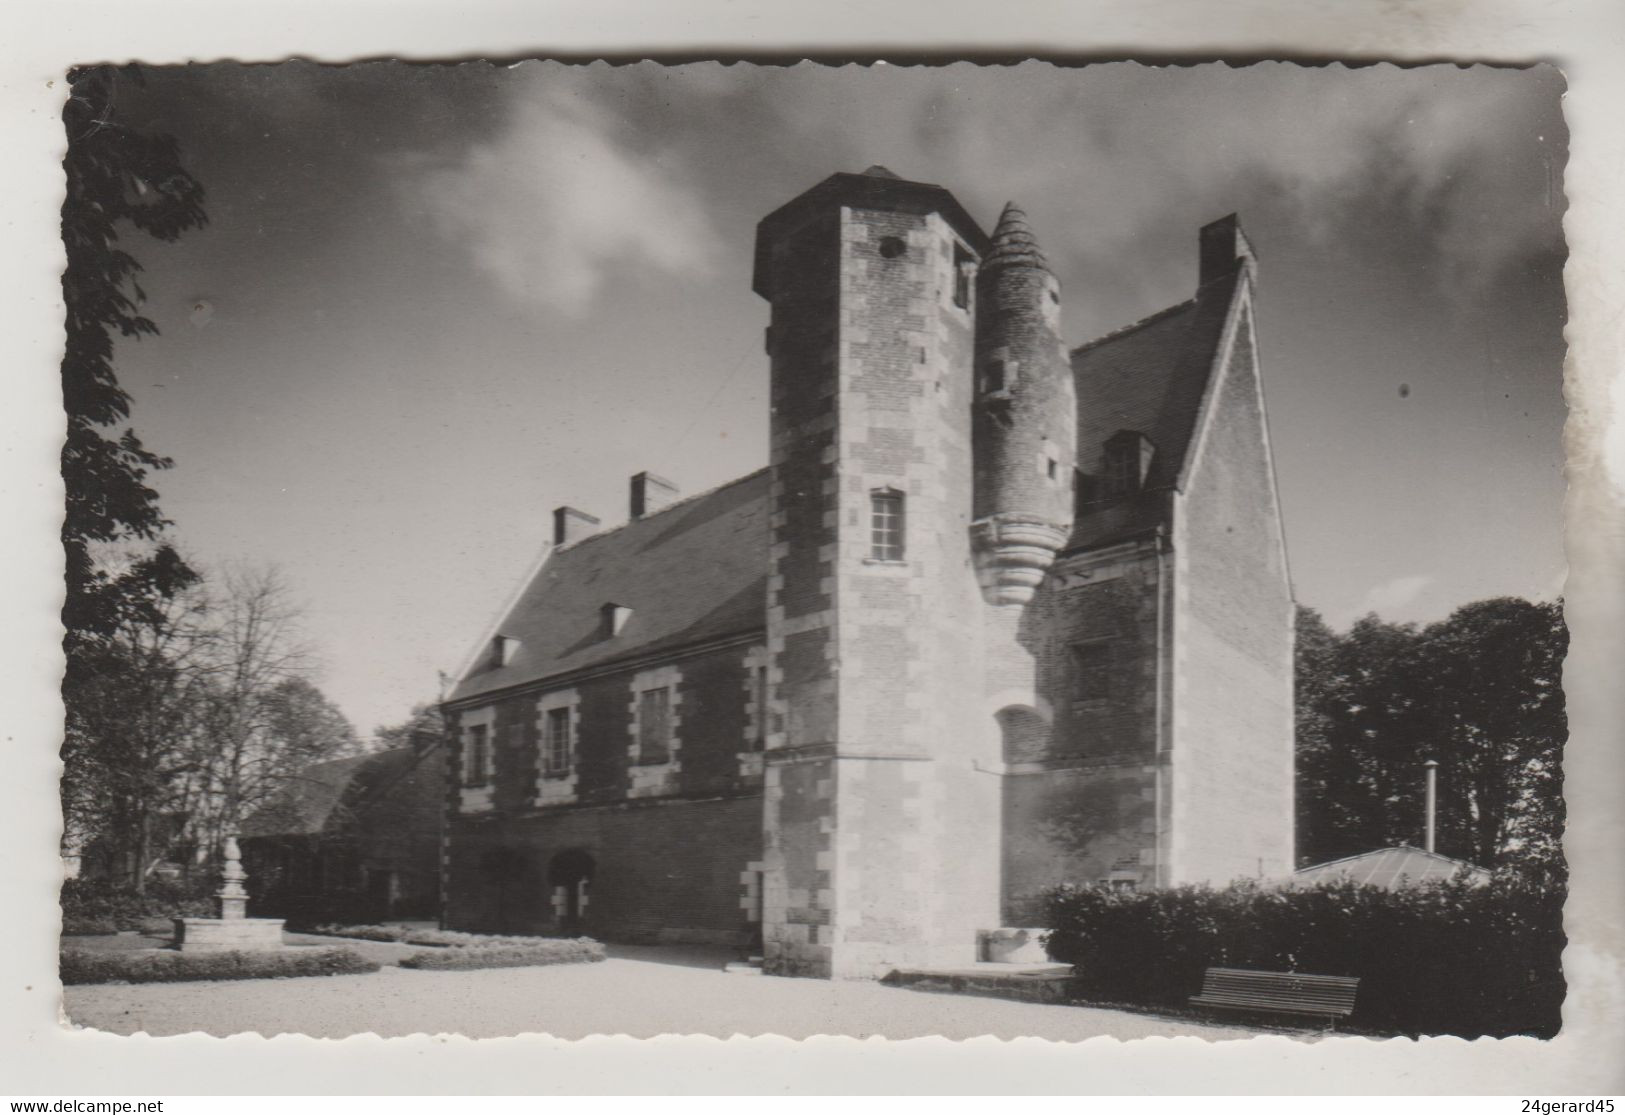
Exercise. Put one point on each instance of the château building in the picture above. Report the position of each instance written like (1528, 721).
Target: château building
(996, 616)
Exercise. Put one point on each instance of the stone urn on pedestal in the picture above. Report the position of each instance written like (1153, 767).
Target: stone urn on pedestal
(233, 929)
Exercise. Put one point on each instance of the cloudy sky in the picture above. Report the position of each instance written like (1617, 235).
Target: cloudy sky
(433, 302)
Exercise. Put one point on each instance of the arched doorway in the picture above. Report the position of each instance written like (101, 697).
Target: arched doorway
(1023, 733)
(1024, 738)
(569, 877)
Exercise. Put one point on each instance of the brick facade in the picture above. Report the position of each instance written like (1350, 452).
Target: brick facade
(667, 841)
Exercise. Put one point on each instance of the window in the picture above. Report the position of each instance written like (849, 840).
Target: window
(556, 743)
(886, 525)
(1120, 470)
(502, 648)
(892, 246)
(964, 269)
(993, 377)
(759, 684)
(477, 757)
(1128, 458)
(1091, 672)
(654, 726)
(611, 618)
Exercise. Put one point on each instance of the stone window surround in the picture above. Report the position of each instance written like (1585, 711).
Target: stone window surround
(475, 798)
(888, 525)
(549, 703)
(1099, 646)
(652, 778)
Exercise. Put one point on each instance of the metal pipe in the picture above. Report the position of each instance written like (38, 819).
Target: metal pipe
(1432, 767)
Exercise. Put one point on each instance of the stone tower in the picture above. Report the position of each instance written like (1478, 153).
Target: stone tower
(1025, 416)
(881, 793)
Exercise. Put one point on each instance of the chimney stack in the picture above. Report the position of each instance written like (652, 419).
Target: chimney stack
(1432, 768)
(1223, 249)
(570, 525)
(650, 493)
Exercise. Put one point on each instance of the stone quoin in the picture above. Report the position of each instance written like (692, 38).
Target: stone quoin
(996, 616)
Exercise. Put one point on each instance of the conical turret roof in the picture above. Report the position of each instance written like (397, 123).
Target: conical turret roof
(1014, 244)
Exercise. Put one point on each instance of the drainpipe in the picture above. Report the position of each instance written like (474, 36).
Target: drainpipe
(1432, 767)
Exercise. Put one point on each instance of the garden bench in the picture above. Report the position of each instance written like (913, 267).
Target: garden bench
(1328, 997)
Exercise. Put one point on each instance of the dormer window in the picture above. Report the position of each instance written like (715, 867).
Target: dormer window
(502, 650)
(613, 617)
(1128, 461)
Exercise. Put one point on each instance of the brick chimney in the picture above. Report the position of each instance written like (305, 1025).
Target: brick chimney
(1224, 249)
(570, 525)
(650, 493)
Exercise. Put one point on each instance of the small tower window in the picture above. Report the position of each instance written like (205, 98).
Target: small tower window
(964, 271)
(759, 694)
(886, 525)
(892, 246)
(994, 377)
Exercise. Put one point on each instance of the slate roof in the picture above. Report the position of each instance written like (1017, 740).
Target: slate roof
(1150, 377)
(1391, 868)
(695, 570)
(306, 803)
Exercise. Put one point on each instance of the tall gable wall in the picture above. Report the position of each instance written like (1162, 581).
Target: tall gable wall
(1233, 729)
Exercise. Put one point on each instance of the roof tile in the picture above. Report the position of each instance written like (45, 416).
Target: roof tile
(692, 571)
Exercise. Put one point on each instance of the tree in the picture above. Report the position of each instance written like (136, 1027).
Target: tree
(263, 720)
(116, 615)
(1479, 692)
(1496, 716)
(424, 726)
(133, 722)
(1358, 738)
(115, 176)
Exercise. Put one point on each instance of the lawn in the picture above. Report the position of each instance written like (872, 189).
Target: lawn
(640, 991)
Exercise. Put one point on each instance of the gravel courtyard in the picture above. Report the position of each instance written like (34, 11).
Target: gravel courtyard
(641, 992)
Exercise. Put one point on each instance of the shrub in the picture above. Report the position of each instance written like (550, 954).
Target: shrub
(100, 900)
(456, 939)
(387, 933)
(533, 953)
(159, 966)
(441, 938)
(1441, 959)
(87, 927)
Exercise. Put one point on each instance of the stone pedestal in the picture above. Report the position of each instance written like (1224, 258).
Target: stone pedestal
(226, 934)
(1012, 946)
(232, 929)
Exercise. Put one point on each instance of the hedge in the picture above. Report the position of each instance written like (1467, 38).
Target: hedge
(1445, 958)
(158, 966)
(535, 953)
(400, 934)
(88, 927)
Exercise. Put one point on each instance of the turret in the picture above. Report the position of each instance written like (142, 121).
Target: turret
(1025, 416)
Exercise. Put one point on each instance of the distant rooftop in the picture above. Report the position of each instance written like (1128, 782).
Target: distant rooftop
(1392, 869)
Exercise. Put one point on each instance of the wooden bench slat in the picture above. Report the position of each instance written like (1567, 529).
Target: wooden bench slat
(1278, 992)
